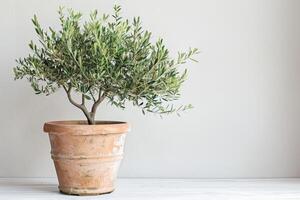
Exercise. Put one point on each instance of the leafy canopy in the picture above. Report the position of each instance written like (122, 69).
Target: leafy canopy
(104, 57)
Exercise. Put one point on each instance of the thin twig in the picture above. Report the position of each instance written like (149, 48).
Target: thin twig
(92, 96)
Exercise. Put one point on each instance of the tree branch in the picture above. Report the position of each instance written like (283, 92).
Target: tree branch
(68, 91)
(80, 106)
(101, 97)
(82, 100)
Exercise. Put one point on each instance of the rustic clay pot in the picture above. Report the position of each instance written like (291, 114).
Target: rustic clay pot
(86, 157)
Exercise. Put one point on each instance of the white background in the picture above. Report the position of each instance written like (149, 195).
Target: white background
(245, 90)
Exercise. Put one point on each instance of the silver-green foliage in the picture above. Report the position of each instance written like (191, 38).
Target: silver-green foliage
(106, 57)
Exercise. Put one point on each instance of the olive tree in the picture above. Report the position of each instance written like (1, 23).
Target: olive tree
(105, 57)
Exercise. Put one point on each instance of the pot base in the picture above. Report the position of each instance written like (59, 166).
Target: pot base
(85, 191)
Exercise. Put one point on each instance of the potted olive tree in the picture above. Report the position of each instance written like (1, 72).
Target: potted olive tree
(106, 58)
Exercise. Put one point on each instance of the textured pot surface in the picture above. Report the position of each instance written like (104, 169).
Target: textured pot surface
(86, 157)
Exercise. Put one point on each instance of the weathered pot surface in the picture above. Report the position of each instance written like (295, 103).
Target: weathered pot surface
(86, 157)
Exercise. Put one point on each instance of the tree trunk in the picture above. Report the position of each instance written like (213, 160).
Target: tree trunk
(90, 116)
(90, 119)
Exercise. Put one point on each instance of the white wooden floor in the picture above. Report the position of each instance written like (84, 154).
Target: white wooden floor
(159, 189)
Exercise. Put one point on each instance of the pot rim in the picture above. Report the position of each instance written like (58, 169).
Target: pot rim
(81, 127)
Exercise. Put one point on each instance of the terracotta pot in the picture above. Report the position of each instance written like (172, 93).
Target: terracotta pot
(86, 157)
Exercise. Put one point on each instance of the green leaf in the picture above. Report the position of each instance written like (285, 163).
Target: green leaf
(87, 97)
(106, 55)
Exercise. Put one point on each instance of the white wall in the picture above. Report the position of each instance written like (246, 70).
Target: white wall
(245, 89)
